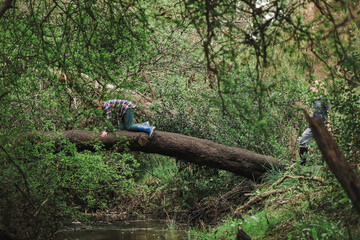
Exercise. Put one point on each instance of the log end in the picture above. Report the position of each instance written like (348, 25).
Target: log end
(143, 140)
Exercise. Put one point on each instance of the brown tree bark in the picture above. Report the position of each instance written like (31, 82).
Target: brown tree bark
(348, 179)
(199, 151)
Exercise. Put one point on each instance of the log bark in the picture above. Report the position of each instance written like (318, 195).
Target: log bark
(348, 179)
(199, 151)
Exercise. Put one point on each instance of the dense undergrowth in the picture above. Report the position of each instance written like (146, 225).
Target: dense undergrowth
(230, 89)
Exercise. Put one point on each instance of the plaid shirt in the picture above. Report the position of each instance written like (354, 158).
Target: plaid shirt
(117, 106)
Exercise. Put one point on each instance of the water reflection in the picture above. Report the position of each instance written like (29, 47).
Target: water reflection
(134, 230)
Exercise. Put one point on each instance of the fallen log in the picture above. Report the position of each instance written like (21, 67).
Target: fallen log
(336, 161)
(199, 151)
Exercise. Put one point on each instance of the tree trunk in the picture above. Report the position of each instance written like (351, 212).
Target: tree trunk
(336, 160)
(199, 151)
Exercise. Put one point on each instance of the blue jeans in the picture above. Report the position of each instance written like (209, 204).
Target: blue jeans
(305, 137)
(127, 121)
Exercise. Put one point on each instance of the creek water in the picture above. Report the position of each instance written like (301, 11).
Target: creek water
(127, 230)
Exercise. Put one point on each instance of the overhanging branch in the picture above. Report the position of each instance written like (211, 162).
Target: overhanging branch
(348, 179)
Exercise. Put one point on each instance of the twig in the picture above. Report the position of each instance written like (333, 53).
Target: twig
(142, 73)
(42, 205)
(257, 199)
(297, 177)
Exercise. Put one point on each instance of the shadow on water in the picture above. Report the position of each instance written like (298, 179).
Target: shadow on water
(139, 230)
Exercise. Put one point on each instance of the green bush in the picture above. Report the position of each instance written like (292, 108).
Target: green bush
(44, 187)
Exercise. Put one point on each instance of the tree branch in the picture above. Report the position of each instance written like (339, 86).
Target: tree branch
(348, 179)
(297, 177)
(257, 199)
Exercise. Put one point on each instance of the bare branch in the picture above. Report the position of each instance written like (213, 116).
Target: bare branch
(298, 177)
(257, 199)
